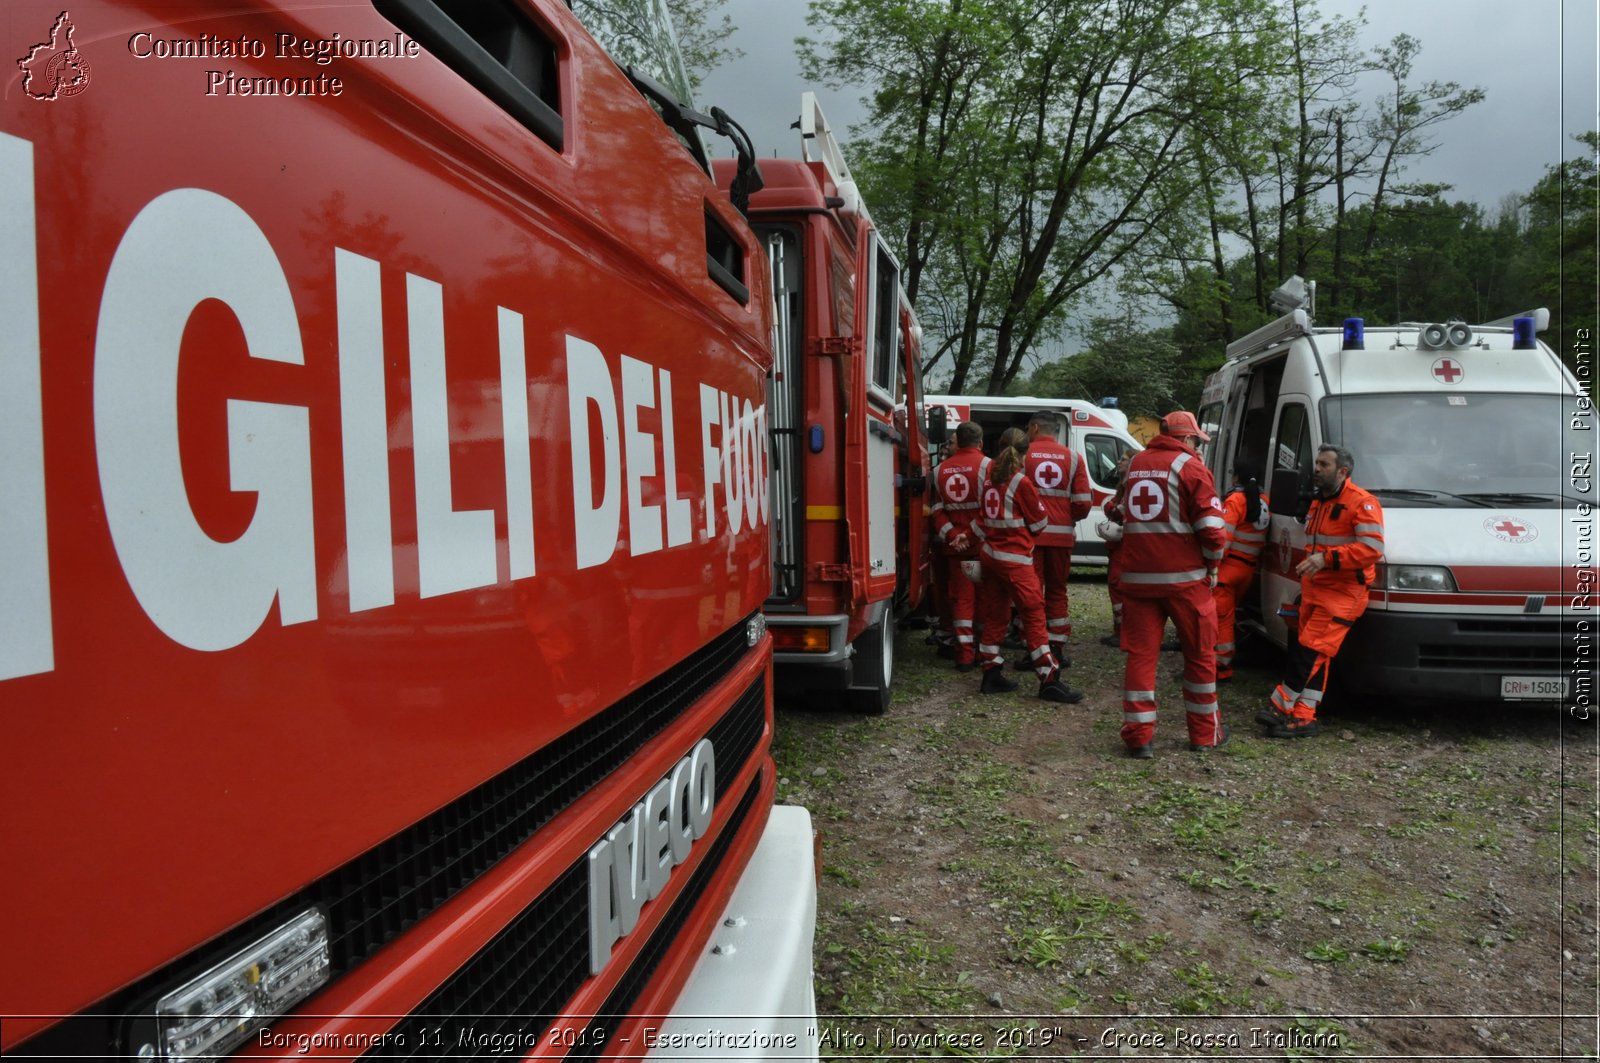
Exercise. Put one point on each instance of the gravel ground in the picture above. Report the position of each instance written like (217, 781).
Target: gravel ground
(1000, 881)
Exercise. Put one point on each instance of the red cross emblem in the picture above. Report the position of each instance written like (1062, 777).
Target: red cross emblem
(991, 502)
(1448, 371)
(1509, 529)
(957, 488)
(1048, 475)
(1146, 500)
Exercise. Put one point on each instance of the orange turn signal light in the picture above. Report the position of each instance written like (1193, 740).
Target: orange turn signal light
(799, 639)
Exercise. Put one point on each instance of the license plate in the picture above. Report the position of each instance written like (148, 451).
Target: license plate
(1533, 687)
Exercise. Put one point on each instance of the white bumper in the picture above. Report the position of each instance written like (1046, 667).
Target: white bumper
(750, 995)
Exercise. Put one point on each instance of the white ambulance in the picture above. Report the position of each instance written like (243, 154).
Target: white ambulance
(1098, 433)
(1476, 439)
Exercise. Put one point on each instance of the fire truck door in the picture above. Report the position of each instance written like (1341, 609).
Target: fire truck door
(882, 357)
(915, 463)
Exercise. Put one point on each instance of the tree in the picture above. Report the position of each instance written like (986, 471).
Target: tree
(1405, 114)
(703, 30)
(673, 41)
(1061, 151)
(1140, 367)
(1563, 227)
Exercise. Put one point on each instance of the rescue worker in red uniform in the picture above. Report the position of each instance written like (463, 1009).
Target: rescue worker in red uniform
(1111, 532)
(1344, 541)
(1245, 514)
(1062, 480)
(1172, 543)
(1012, 514)
(958, 492)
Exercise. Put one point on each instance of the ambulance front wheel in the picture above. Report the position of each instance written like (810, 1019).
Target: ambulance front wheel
(872, 667)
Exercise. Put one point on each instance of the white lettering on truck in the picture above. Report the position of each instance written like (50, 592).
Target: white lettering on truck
(25, 644)
(632, 863)
(184, 247)
(190, 245)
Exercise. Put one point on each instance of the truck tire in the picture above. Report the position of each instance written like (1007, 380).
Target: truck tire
(872, 667)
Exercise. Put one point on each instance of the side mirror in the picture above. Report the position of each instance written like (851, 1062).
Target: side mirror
(938, 425)
(1291, 495)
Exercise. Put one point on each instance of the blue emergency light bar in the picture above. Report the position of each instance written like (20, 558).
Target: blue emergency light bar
(1522, 332)
(1355, 334)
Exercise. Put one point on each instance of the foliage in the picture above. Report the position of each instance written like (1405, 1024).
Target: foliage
(1026, 149)
(1140, 367)
(1035, 160)
(703, 31)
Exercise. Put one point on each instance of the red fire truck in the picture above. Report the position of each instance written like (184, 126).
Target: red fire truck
(383, 544)
(849, 456)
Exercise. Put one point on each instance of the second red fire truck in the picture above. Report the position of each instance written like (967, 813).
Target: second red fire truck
(850, 462)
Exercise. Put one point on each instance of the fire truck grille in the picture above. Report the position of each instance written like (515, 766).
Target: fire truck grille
(507, 996)
(601, 1030)
(379, 895)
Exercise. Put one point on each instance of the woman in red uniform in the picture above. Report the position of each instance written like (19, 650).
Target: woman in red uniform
(1011, 515)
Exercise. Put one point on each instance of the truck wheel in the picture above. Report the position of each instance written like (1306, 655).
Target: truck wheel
(872, 667)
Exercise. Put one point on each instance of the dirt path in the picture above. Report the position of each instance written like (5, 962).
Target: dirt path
(1000, 881)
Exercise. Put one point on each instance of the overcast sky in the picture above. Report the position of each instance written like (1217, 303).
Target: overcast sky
(1535, 59)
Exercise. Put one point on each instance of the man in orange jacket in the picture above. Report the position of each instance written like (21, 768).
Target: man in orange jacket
(1244, 511)
(1344, 530)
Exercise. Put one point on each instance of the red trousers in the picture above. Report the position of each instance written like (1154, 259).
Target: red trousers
(1053, 566)
(1326, 616)
(1114, 587)
(960, 606)
(1004, 584)
(1194, 614)
(1233, 582)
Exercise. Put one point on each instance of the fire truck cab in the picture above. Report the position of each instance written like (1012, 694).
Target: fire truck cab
(1466, 435)
(383, 544)
(849, 465)
(1098, 433)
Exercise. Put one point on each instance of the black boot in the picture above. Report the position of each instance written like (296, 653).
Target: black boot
(995, 682)
(1053, 689)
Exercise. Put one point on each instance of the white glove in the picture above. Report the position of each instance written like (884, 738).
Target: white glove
(1110, 531)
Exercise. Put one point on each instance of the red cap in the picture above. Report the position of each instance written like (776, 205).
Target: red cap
(1182, 423)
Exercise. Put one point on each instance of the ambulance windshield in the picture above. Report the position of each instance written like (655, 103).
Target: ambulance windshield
(1428, 448)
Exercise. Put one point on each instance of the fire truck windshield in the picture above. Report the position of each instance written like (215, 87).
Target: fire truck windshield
(638, 34)
(1421, 448)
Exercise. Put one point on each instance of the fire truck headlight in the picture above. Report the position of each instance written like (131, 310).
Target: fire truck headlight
(215, 1012)
(755, 629)
(1419, 578)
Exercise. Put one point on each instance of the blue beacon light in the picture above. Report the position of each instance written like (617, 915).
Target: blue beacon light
(1355, 334)
(1522, 330)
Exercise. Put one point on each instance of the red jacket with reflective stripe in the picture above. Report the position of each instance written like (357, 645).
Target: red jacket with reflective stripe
(1012, 515)
(1062, 480)
(958, 491)
(1348, 528)
(1172, 531)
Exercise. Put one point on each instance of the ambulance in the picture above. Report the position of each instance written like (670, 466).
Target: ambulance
(1476, 440)
(1098, 433)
